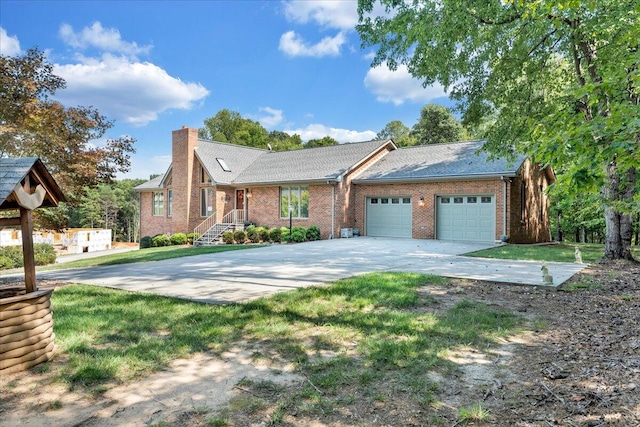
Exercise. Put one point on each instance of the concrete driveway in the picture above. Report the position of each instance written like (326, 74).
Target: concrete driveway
(238, 276)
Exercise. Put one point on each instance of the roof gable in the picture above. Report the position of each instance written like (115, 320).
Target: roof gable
(439, 161)
(235, 158)
(14, 170)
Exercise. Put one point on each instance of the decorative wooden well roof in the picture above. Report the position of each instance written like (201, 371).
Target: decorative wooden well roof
(14, 171)
(25, 184)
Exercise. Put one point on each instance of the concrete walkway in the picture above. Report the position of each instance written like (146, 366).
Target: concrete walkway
(238, 276)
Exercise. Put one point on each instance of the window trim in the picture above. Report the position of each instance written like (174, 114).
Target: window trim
(169, 202)
(204, 202)
(205, 178)
(297, 212)
(157, 203)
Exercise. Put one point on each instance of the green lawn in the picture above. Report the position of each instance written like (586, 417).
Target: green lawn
(385, 338)
(147, 255)
(560, 252)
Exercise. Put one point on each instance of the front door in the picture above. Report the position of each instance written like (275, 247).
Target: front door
(240, 200)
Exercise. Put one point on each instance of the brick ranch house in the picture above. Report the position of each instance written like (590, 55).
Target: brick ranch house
(444, 191)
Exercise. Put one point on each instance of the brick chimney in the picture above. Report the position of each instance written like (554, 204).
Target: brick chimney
(184, 142)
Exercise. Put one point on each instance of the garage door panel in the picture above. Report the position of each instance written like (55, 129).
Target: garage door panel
(469, 217)
(390, 217)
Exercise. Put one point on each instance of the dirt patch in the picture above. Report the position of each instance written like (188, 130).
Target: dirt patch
(578, 364)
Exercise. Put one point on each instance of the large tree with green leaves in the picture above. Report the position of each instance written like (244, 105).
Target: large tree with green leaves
(230, 126)
(325, 141)
(34, 124)
(437, 125)
(560, 78)
(397, 131)
(281, 141)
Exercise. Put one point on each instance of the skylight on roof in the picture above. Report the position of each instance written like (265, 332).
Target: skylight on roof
(223, 164)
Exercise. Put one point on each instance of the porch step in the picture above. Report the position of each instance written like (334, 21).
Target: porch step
(213, 236)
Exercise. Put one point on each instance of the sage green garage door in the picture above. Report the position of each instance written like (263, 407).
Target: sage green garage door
(389, 216)
(471, 218)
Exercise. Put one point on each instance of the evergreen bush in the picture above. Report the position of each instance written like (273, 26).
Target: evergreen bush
(284, 233)
(227, 237)
(146, 242)
(275, 235)
(252, 234)
(313, 232)
(298, 234)
(44, 254)
(6, 263)
(178, 239)
(263, 234)
(239, 236)
(14, 254)
(192, 237)
(161, 240)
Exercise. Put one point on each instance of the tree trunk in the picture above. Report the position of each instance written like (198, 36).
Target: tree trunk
(619, 226)
(559, 229)
(637, 228)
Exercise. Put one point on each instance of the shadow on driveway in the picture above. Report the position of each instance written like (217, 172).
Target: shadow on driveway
(238, 276)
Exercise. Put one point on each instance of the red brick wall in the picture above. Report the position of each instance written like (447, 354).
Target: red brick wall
(151, 225)
(184, 142)
(424, 217)
(529, 223)
(264, 208)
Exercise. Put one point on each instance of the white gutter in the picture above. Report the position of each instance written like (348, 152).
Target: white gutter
(333, 210)
(439, 178)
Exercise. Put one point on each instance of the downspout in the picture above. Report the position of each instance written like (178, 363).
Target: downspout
(504, 207)
(333, 210)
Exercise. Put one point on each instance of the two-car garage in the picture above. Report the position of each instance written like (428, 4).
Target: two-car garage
(457, 217)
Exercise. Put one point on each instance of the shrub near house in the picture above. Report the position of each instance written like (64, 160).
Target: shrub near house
(11, 256)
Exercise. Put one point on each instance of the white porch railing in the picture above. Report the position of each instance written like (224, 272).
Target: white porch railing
(205, 225)
(236, 216)
(210, 230)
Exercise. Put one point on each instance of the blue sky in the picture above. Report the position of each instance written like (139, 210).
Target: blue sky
(154, 66)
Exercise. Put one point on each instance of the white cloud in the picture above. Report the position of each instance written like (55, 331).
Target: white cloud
(103, 39)
(316, 131)
(274, 117)
(9, 45)
(342, 15)
(399, 86)
(293, 44)
(135, 92)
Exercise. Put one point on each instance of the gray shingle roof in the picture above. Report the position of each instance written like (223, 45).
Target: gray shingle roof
(309, 164)
(438, 161)
(12, 171)
(236, 157)
(152, 184)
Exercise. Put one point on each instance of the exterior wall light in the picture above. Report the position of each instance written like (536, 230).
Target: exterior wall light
(421, 201)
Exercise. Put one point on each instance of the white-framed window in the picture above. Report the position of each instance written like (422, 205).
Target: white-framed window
(158, 203)
(169, 202)
(206, 202)
(204, 176)
(298, 198)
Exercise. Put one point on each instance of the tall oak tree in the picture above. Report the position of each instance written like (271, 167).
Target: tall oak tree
(558, 79)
